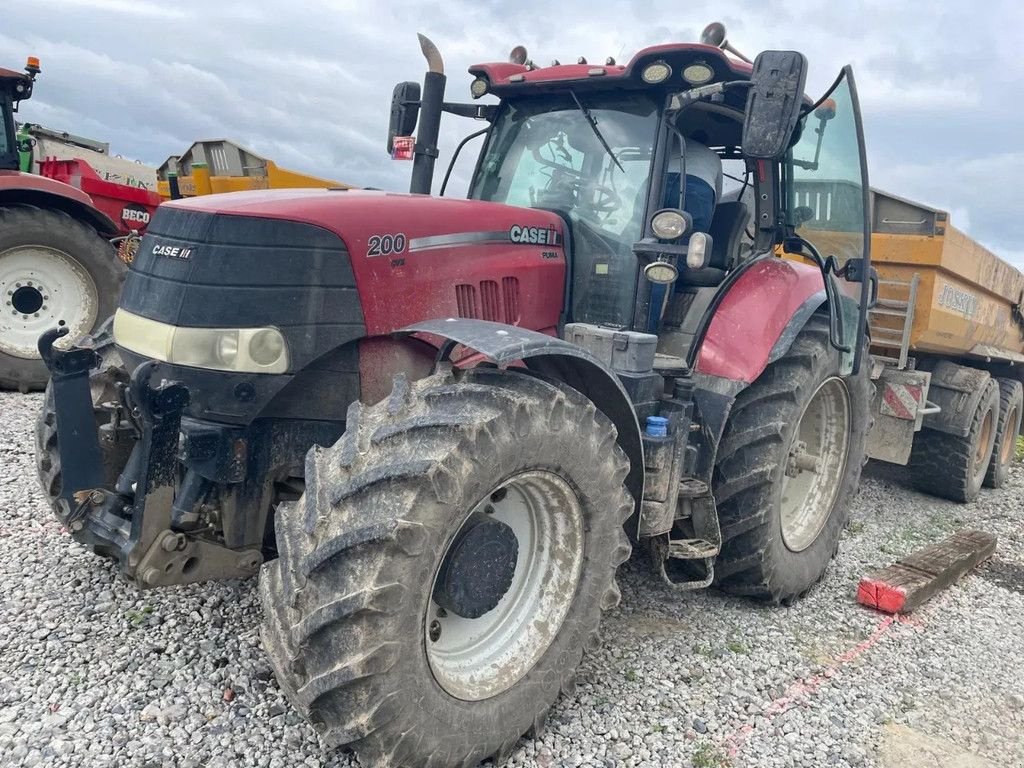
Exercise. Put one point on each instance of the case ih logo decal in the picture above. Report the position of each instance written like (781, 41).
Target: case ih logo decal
(534, 235)
(173, 252)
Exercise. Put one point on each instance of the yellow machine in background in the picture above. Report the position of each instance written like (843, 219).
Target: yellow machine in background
(219, 165)
(946, 334)
(940, 292)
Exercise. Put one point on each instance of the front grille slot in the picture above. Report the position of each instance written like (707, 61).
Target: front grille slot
(510, 294)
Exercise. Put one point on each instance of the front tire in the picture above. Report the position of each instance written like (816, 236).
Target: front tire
(364, 641)
(53, 268)
(787, 468)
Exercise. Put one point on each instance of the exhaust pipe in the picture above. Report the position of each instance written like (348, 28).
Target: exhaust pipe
(431, 103)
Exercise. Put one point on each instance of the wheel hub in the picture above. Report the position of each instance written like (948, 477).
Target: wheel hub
(515, 565)
(27, 299)
(39, 288)
(478, 569)
(815, 465)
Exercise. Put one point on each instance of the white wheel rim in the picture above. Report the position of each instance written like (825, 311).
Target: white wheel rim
(39, 287)
(815, 465)
(475, 659)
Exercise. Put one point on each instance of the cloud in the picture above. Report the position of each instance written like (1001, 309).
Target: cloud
(308, 82)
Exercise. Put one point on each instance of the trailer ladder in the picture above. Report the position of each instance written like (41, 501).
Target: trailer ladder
(891, 319)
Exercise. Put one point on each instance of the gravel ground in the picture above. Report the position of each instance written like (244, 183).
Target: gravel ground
(96, 673)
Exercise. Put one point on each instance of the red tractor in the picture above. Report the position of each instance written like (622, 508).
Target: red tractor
(57, 264)
(436, 427)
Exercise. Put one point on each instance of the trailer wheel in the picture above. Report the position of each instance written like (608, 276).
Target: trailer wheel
(952, 466)
(787, 468)
(52, 268)
(1011, 406)
(447, 566)
(103, 382)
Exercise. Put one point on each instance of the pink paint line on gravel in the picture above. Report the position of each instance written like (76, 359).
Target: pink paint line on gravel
(804, 688)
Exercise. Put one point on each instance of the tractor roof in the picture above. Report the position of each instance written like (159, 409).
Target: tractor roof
(507, 79)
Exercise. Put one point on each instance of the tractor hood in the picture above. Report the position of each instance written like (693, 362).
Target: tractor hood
(329, 267)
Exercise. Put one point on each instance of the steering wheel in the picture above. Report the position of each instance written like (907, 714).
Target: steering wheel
(606, 199)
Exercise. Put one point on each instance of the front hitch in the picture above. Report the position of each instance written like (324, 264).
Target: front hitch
(81, 460)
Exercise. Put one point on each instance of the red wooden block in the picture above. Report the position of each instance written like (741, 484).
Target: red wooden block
(904, 585)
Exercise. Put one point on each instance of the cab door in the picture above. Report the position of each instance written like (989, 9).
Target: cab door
(827, 205)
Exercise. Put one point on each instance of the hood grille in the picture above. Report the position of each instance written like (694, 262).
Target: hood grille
(487, 300)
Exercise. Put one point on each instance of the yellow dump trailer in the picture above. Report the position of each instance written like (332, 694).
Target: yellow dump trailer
(947, 343)
(219, 165)
(940, 292)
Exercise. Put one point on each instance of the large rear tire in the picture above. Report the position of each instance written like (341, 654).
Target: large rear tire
(400, 617)
(952, 466)
(787, 468)
(1011, 407)
(52, 268)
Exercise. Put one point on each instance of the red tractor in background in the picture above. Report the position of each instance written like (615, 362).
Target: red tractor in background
(437, 426)
(57, 264)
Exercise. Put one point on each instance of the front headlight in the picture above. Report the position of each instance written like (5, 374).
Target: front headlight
(245, 350)
(668, 224)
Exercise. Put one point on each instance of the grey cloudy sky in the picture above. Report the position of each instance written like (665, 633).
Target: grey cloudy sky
(308, 82)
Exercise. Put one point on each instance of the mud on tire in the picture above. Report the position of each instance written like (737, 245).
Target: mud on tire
(751, 464)
(952, 466)
(346, 601)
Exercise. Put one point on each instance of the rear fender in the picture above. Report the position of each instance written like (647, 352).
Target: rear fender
(550, 356)
(756, 319)
(29, 189)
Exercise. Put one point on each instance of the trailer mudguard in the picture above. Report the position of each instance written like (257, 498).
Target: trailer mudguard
(757, 317)
(558, 359)
(17, 188)
(956, 390)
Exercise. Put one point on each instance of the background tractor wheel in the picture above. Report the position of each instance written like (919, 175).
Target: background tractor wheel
(954, 467)
(52, 268)
(1011, 406)
(447, 566)
(787, 468)
(103, 384)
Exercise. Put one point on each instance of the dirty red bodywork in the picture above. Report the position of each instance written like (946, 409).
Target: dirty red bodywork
(130, 208)
(457, 258)
(752, 316)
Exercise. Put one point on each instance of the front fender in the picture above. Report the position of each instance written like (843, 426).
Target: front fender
(556, 358)
(758, 317)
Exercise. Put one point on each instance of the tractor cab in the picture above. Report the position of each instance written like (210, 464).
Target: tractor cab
(14, 88)
(670, 172)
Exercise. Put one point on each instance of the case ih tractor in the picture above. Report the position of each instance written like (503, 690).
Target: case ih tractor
(436, 427)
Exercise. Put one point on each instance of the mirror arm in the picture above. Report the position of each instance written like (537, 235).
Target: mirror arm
(475, 111)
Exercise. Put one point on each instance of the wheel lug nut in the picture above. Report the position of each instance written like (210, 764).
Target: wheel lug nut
(435, 631)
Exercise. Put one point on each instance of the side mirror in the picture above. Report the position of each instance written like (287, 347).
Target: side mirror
(773, 103)
(405, 110)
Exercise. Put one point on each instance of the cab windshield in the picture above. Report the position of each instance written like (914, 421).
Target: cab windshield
(544, 153)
